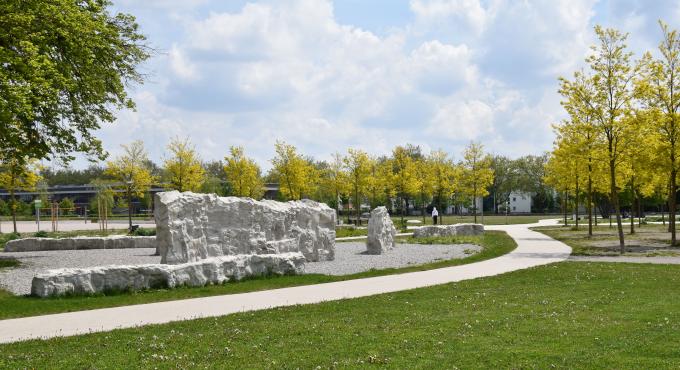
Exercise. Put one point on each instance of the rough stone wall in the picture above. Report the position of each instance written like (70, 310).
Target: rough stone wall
(216, 270)
(191, 227)
(381, 232)
(448, 230)
(82, 242)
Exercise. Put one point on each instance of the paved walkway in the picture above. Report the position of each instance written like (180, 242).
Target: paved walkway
(69, 225)
(534, 249)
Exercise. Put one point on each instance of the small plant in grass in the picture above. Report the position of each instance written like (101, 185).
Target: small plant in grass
(9, 262)
(41, 234)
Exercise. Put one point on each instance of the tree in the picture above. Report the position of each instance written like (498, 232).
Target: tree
(65, 68)
(505, 180)
(184, 167)
(334, 183)
(445, 178)
(608, 97)
(477, 173)
(215, 181)
(243, 174)
(358, 168)
(296, 175)
(17, 174)
(406, 183)
(67, 205)
(424, 173)
(131, 170)
(659, 91)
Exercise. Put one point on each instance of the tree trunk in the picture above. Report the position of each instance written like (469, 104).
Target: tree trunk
(672, 206)
(632, 205)
(615, 202)
(564, 208)
(14, 209)
(576, 203)
(590, 199)
(129, 196)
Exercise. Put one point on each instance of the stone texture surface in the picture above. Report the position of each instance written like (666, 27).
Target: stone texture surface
(81, 242)
(448, 230)
(381, 232)
(191, 227)
(215, 270)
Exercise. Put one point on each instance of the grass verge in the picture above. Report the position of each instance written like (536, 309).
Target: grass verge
(566, 315)
(647, 241)
(493, 243)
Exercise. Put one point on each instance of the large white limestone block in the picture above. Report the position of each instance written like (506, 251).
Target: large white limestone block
(191, 227)
(80, 242)
(448, 230)
(215, 270)
(381, 232)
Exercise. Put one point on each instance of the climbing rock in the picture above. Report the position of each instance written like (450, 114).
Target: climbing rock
(381, 232)
(448, 230)
(191, 227)
(215, 270)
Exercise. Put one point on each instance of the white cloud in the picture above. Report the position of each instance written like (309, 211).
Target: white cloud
(290, 70)
(469, 11)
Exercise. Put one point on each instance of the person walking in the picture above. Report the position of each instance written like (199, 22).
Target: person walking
(435, 214)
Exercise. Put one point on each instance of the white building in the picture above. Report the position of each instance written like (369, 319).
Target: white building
(520, 202)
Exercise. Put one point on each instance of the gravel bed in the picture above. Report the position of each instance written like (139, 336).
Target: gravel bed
(350, 257)
(18, 280)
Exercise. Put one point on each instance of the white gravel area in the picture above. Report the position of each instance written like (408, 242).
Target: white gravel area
(350, 257)
(18, 280)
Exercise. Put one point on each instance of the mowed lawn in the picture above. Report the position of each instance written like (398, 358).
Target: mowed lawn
(493, 243)
(566, 315)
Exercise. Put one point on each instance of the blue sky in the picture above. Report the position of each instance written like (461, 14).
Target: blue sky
(369, 74)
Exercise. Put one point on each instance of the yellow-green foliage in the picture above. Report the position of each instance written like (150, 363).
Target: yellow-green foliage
(297, 176)
(131, 169)
(243, 174)
(184, 166)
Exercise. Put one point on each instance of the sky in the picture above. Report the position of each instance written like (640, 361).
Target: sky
(368, 74)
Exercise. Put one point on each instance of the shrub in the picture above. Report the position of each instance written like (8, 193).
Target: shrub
(144, 232)
(41, 234)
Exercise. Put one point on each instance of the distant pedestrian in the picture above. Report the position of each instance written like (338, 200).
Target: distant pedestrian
(435, 214)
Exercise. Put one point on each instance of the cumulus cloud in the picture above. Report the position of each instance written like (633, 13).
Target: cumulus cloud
(251, 72)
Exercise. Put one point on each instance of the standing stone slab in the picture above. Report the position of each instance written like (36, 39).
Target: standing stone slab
(381, 232)
(80, 242)
(448, 230)
(191, 227)
(215, 270)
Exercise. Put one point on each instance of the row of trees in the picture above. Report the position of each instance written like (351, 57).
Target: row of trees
(623, 131)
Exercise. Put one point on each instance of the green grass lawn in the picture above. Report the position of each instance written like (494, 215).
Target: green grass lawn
(567, 315)
(343, 232)
(648, 240)
(494, 244)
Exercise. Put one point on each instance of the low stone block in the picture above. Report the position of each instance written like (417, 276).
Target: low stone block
(448, 230)
(191, 227)
(215, 270)
(381, 232)
(81, 242)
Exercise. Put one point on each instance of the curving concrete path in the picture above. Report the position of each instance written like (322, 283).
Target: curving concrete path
(534, 249)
